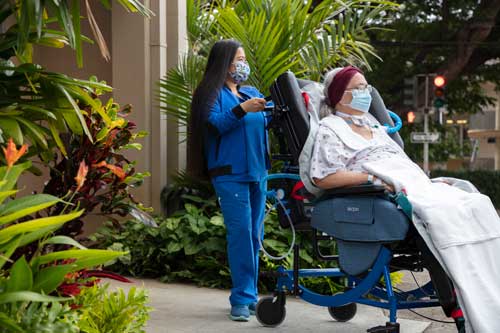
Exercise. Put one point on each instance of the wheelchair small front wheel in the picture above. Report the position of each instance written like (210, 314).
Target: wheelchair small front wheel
(343, 313)
(270, 311)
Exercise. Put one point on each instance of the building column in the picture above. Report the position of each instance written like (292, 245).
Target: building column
(177, 46)
(497, 127)
(139, 58)
(158, 69)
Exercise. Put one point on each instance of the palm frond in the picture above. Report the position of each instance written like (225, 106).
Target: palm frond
(30, 97)
(176, 89)
(32, 18)
(343, 38)
(277, 35)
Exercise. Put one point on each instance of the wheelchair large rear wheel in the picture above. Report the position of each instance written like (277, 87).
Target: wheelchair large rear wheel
(343, 313)
(270, 311)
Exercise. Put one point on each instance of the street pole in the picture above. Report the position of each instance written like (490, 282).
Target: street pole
(426, 144)
(426, 125)
(461, 139)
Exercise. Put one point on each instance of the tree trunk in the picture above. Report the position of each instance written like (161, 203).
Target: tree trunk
(470, 36)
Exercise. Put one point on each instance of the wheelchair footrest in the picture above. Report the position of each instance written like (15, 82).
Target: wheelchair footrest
(388, 328)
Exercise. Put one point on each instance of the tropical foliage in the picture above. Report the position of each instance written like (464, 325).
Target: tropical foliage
(64, 118)
(184, 189)
(190, 246)
(108, 174)
(278, 35)
(34, 103)
(55, 113)
(32, 279)
(102, 310)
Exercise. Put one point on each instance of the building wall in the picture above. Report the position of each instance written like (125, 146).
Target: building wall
(488, 154)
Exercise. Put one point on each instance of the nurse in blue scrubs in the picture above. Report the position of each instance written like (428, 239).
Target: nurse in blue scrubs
(227, 129)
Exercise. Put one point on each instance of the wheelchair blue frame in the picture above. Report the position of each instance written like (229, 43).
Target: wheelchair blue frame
(358, 289)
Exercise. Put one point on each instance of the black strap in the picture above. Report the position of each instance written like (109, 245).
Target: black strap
(220, 171)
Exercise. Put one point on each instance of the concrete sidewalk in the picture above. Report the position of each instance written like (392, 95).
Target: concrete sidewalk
(186, 308)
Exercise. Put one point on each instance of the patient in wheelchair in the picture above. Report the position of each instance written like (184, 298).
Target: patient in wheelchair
(462, 229)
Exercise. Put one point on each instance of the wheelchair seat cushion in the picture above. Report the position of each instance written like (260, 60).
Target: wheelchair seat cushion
(360, 224)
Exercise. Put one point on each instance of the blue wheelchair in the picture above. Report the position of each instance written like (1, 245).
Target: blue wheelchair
(373, 236)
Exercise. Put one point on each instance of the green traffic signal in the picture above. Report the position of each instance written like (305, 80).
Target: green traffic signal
(439, 102)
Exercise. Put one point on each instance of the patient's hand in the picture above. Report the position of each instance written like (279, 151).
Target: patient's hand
(379, 181)
(388, 187)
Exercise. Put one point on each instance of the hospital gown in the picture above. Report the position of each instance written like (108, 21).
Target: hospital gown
(330, 154)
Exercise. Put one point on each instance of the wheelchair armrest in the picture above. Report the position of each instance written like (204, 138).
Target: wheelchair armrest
(368, 189)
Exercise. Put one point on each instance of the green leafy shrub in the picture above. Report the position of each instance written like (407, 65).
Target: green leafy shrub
(102, 310)
(110, 174)
(188, 246)
(186, 189)
(49, 318)
(486, 181)
(191, 247)
(25, 285)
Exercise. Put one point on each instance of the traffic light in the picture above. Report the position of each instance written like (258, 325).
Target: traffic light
(410, 117)
(409, 91)
(439, 83)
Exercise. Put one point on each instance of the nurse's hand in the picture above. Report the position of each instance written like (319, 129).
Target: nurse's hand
(255, 104)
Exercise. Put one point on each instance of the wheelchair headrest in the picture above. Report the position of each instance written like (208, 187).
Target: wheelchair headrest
(287, 97)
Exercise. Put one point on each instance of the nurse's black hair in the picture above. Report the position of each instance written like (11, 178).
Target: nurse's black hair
(220, 58)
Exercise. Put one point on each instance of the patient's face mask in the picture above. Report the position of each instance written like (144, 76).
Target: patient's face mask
(241, 72)
(361, 98)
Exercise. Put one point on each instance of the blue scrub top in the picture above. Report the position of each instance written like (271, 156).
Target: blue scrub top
(256, 148)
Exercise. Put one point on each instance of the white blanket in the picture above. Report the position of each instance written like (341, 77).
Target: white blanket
(462, 230)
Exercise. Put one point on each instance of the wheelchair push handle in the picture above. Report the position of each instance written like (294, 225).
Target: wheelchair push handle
(274, 193)
(269, 104)
(397, 123)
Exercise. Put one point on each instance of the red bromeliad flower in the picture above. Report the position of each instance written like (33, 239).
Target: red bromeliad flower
(81, 175)
(12, 154)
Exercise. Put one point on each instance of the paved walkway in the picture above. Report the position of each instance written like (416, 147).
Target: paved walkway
(185, 308)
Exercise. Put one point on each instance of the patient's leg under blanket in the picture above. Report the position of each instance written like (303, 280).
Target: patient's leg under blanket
(463, 232)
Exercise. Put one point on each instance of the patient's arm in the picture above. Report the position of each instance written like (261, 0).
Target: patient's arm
(341, 179)
(346, 179)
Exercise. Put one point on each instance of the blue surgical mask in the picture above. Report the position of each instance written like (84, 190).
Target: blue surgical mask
(361, 100)
(241, 72)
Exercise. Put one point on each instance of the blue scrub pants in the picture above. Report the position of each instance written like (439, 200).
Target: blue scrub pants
(243, 207)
